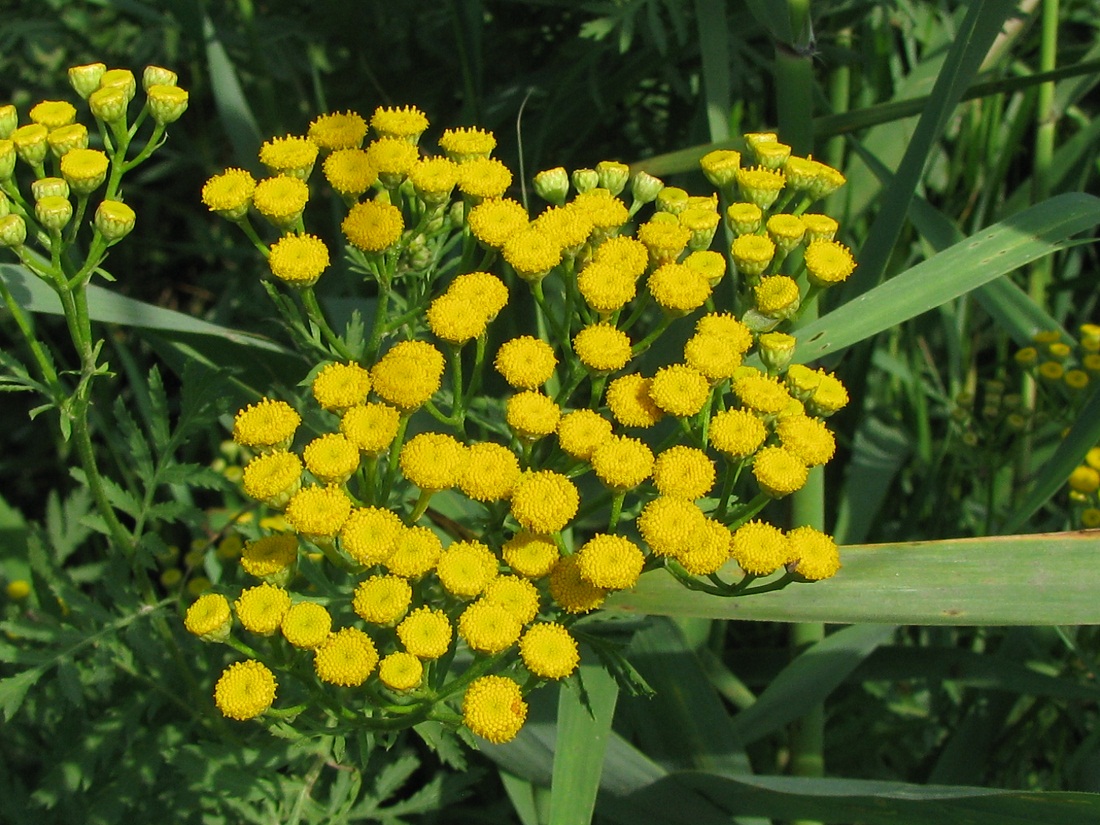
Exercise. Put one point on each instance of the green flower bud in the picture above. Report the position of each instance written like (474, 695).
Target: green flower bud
(85, 79)
(68, 138)
(7, 159)
(9, 119)
(84, 169)
(53, 212)
(672, 199)
(13, 231)
(167, 103)
(156, 76)
(120, 79)
(552, 185)
(645, 188)
(5, 205)
(30, 143)
(109, 104)
(776, 350)
(585, 180)
(613, 175)
(49, 188)
(114, 220)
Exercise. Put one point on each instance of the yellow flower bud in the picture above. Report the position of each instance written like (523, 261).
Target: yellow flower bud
(552, 185)
(13, 231)
(85, 79)
(67, 138)
(120, 79)
(776, 350)
(645, 188)
(167, 103)
(7, 159)
(584, 180)
(30, 143)
(84, 169)
(108, 104)
(49, 188)
(114, 220)
(53, 212)
(612, 175)
(156, 76)
(9, 119)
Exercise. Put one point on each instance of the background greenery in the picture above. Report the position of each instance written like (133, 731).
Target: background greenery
(102, 722)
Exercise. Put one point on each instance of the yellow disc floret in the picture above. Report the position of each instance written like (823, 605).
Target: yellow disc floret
(298, 260)
(544, 501)
(488, 628)
(340, 386)
(209, 618)
(418, 550)
(490, 472)
(526, 362)
(622, 463)
(426, 633)
(269, 555)
(610, 562)
(400, 671)
(273, 477)
(370, 535)
(373, 226)
(382, 600)
(683, 472)
(371, 427)
(318, 512)
(346, 658)
(530, 555)
(760, 548)
(245, 690)
(581, 432)
(630, 403)
(332, 458)
(532, 415)
(571, 592)
(466, 568)
(408, 375)
(679, 390)
(813, 554)
(339, 130)
(493, 708)
(267, 425)
(549, 651)
(602, 348)
(433, 461)
(261, 608)
(516, 595)
(306, 625)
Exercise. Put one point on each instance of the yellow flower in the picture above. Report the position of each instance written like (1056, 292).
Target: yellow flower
(737, 433)
(400, 671)
(338, 387)
(298, 260)
(605, 287)
(760, 185)
(567, 225)
(495, 220)
(808, 438)
(516, 595)
(493, 708)
(209, 618)
(455, 319)
(532, 415)
(370, 535)
(306, 625)
(709, 549)
(1027, 356)
(1051, 371)
(371, 427)
(267, 425)
(786, 231)
(289, 155)
(761, 393)
(53, 114)
(167, 103)
(486, 291)
(772, 154)
(525, 362)
(382, 600)
(683, 472)
(245, 690)
(828, 397)
(607, 213)
(84, 169)
(433, 179)
(261, 608)
(778, 471)
(1076, 379)
(482, 178)
(552, 185)
(664, 240)
(466, 568)
(281, 199)
(813, 554)
(418, 550)
(752, 253)
(679, 390)
(744, 218)
(373, 226)
(349, 172)
(426, 633)
(625, 254)
(332, 458)
(668, 525)
(66, 139)
(491, 472)
(571, 592)
(720, 167)
(273, 477)
(1090, 518)
(433, 461)
(532, 253)
(828, 263)
(393, 158)
(759, 548)
(819, 227)
(407, 123)
(727, 326)
(711, 264)
(488, 628)
(581, 432)
(629, 401)
(678, 288)
(610, 562)
(408, 375)
(269, 556)
(338, 130)
(544, 501)
(1084, 479)
(549, 651)
(602, 348)
(622, 463)
(530, 555)
(712, 356)
(465, 144)
(318, 513)
(776, 296)
(346, 658)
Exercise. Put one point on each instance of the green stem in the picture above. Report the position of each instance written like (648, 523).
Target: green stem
(313, 311)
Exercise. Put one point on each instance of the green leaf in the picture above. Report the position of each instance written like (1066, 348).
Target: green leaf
(14, 689)
(1047, 579)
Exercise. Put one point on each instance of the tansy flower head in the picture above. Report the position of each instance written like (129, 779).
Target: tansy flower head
(664, 240)
(84, 169)
(549, 651)
(426, 633)
(433, 461)
(400, 671)
(602, 348)
(828, 263)
(622, 463)
(209, 618)
(466, 568)
(382, 600)
(532, 253)
(407, 123)
(712, 355)
(761, 393)
(281, 199)
(408, 375)
(340, 386)
(245, 690)
(605, 287)
(289, 155)
(306, 625)
(318, 513)
(525, 362)
(371, 427)
(737, 433)
(346, 658)
(606, 213)
(270, 555)
(393, 158)
(678, 289)
(266, 425)
(349, 172)
(230, 193)
(808, 438)
(339, 130)
(610, 562)
(668, 525)
(683, 472)
(493, 708)
(778, 471)
(771, 154)
(786, 231)
(465, 144)
(544, 501)
(828, 397)
(760, 185)
(495, 220)
(752, 254)
(819, 227)
(261, 608)
(571, 592)
(625, 254)
(418, 550)
(373, 226)
(516, 595)
(273, 477)
(552, 185)
(482, 178)
(709, 549)
(1084, 479)
(53, 114)
(332, 458)
(488, 628)
(711, 264)
(720, 167)
(490, 472)
(530, 555)
(776, 296)
(744, 218)
(456, 319)
(532, 415)
(702, 222)
(483, 289)
(630, 403)
(298, 260)
(568, 225)
(679, 390)
(759, 548)
(67, 139)
(802, 381)
(433, 179)
(581, 432)
(813, 554)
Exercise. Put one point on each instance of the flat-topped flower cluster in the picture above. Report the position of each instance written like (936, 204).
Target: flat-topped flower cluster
(478, 481)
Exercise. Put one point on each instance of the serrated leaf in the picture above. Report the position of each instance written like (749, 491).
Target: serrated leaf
(158, 410)
(14, 689)
(140, 456)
